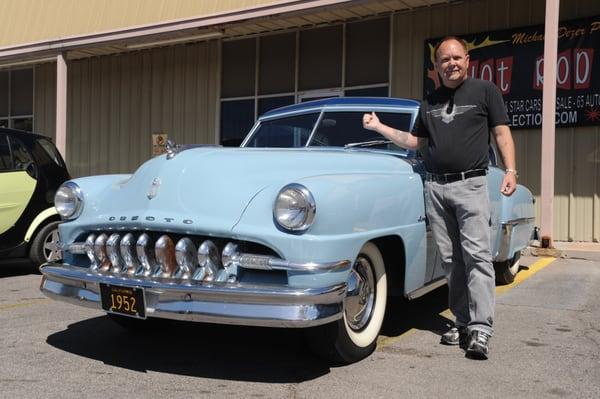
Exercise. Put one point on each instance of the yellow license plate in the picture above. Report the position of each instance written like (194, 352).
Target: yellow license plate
(128, 301)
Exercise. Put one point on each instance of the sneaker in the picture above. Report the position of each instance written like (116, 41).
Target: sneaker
(455, 336)
(478, 347)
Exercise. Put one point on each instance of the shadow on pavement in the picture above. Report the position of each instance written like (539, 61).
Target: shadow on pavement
(421, 314)
(18, 267)
(228, 352)
(195, 349)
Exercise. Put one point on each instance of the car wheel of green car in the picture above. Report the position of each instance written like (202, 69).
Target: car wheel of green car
(45, 245)
(354, 336)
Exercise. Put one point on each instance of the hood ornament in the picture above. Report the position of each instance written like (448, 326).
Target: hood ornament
(154, 188)
(171, 148)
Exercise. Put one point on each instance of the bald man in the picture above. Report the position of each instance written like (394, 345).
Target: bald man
(453, 134)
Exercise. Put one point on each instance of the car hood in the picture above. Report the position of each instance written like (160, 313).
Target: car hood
(207, 189)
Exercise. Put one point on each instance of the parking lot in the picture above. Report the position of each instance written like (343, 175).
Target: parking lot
(546, 344)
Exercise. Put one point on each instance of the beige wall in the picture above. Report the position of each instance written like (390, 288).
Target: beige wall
(577, 177)
(27, 21)
(44, 107)
(115, 103)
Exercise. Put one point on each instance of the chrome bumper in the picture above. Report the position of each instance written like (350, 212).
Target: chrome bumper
(223, 303)
(511, 232)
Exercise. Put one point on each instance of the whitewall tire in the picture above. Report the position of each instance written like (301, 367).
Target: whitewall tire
(354, 336)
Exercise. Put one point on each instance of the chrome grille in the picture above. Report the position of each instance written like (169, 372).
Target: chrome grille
(156, 255)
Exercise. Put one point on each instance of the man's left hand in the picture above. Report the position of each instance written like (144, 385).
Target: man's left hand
(509, 184)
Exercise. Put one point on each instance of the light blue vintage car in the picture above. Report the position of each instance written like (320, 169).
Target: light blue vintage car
(313, 223)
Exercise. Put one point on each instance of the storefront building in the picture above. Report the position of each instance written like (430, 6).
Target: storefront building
(201, 72)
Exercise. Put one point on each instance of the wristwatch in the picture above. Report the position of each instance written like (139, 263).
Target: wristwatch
(508, 170)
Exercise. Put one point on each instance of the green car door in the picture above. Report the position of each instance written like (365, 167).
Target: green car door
(16, 182)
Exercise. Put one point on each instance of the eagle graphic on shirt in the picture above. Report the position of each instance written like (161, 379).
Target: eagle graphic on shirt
(447, 112)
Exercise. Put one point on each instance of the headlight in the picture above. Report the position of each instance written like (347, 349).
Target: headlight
(69, 200)
(294, 208)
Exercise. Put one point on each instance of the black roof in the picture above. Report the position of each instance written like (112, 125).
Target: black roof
(22, 134)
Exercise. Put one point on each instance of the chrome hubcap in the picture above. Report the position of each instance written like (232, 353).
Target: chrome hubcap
(51, 249)
(360, 295)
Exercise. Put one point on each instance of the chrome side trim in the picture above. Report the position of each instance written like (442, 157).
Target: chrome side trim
(224, 303)
(261, 262)
(427, 288)
(514, 222)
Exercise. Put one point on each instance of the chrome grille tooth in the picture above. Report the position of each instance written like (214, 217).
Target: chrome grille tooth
(145, 253)
(186, 256)
(165, 256)
(100, 252)
(209, 262)
(89, 251)
(230, 259)
(112, 250)
(128, 254)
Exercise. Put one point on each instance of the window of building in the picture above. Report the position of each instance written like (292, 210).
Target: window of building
(277, 63)
(274, 70)
(321, 58)
(367, 52)
(239, 63)
(16, 99)
(381, 91)
(268, 103)
(237, 117)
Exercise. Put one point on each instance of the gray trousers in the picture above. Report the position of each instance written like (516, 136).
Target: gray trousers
(459, 216)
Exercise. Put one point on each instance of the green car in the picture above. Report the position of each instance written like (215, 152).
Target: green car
(31, 170)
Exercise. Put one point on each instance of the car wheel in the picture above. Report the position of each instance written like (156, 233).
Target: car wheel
(507, 270)
(45, 245)
(354, 336)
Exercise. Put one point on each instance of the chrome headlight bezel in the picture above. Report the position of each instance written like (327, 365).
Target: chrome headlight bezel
(68, 201)
(281, 211)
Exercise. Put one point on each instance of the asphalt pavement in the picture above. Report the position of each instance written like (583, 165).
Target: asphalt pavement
(546, 345)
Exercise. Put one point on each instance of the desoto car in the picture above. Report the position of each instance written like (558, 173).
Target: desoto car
(312, 224)
(31, 170)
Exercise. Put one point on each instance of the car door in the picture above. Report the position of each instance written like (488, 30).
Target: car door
(17, 185)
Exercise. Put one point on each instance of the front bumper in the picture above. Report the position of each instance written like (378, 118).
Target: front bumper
(223, 303)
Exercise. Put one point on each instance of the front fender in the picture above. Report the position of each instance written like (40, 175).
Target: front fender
(351, 209)
(95, 189)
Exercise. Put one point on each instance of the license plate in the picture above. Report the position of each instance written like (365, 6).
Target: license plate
(128, 301)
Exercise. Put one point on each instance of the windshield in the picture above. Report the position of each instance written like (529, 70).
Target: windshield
(287, 132)
(335, 129)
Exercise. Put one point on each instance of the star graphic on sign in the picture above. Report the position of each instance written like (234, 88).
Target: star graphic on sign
(592, 114)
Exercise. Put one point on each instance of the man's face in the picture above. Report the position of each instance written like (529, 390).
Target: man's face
(452, 63)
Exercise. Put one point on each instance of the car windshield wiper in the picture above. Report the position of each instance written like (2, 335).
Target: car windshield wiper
(368, 143)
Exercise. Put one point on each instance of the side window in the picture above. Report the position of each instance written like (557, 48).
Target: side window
(5, 160)
(20, 155)
(340, 128)
(49, 150)
(290, 132)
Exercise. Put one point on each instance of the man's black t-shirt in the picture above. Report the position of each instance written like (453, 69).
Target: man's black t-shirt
(457, 123)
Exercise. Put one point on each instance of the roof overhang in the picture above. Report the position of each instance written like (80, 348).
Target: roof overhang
(276, 16)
